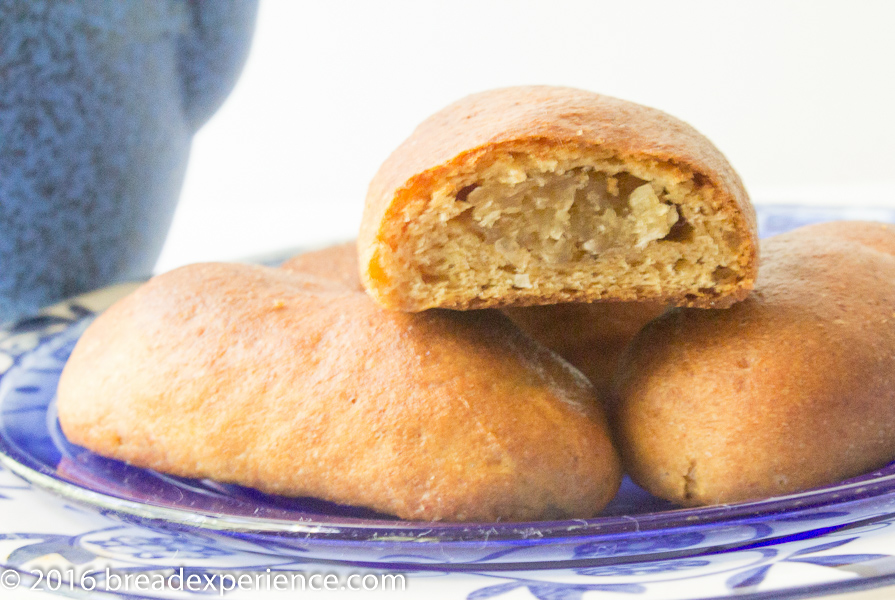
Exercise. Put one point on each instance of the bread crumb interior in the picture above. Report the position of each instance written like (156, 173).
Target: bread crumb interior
(559, 226)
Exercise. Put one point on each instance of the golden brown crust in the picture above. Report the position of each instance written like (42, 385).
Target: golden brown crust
(790, 389)
(296, 386)
(536, 120)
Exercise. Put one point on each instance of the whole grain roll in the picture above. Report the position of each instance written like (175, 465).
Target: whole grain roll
(541, 195)
(791, 389)
(295, 385)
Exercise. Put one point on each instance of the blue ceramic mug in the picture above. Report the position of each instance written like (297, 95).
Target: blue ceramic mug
(99, 100)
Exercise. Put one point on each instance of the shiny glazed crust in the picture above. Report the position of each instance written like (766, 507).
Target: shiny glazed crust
(296, 386)
(545, 122)
(788, 390)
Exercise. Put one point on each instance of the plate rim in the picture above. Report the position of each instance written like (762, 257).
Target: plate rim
(353, 530)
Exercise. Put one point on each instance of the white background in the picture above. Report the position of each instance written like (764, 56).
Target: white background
(800, 96)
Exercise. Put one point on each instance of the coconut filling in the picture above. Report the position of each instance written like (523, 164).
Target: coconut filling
(556, 232)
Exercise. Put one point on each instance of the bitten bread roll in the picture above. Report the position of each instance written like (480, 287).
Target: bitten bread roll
(542, 195)
(295, 386)
(590, 336)
(791, 389)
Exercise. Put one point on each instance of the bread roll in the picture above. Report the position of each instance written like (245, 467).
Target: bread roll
(791, 389)
(542, 195)
(294, 385)
(590, 336)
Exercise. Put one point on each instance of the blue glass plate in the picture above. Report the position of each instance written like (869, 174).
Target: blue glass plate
(636, 527)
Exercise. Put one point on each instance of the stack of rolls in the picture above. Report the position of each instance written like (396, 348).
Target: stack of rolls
(470, 356)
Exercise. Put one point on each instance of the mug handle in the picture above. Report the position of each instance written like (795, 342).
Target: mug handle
(211, 53)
